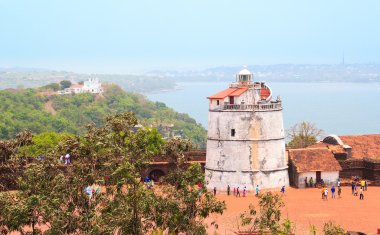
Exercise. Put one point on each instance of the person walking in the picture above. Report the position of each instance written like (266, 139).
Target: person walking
(333, 192)
(237, 192)
(355, 190)
(67, 159)
(199, 194)
(311, 182)
(326, 193)
(306, 185)
(88, 191)
(214, 191)
(200, 190)
(257, 190)
(228, 190)
(244, 191)
(365, 185)
(353, 187)
(339, 192)
(283, 189)
(338, 183)
(152, 183)
(361, 197)
(362, 184)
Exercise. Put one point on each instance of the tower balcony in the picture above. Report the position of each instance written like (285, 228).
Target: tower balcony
(272, 106)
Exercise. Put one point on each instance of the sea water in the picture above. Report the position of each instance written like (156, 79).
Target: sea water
(337, 108)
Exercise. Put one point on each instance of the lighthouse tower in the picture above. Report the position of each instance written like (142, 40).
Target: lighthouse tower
(246, 141)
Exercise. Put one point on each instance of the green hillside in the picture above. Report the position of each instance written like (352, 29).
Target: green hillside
(28, 109)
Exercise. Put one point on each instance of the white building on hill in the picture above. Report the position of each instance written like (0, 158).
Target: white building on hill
(91, 86)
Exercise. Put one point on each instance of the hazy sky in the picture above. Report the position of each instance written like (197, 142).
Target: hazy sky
(127, 36)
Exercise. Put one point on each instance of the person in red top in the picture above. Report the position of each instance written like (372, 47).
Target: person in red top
(237, 192)
(199, 190)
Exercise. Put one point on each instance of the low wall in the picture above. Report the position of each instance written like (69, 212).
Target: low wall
(364, 168)
(351, 167)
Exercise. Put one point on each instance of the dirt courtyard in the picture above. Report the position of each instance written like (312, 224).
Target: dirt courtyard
(305, 207)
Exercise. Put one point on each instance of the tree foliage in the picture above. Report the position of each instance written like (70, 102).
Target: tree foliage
(65, 84)
(74, 112)
(303, 134)
(269, 217)
(9, 148)
(53, 195)
(43, 143)
(52, 86)
(330, 228)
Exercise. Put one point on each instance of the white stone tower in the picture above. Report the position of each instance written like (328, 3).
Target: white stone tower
(246, 140)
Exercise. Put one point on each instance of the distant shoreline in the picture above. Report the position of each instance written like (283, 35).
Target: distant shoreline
(178, 87)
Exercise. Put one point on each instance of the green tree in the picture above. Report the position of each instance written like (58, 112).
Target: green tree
(332, 229)
(303, 134)
(43, 143)
(269, 217)
(65, 84)
(121, 152)
(18, 212)
(181, 210)
(10, 148)
(52, 86)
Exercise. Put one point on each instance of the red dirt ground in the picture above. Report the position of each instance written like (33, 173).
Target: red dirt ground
(305, 207)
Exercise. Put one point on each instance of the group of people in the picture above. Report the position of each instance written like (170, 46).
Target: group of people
(309, 183)
(363, 187)
(237, 192)
(325, 192)
(65, 159)
(354, 189)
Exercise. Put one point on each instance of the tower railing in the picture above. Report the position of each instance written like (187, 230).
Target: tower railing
(253, 107)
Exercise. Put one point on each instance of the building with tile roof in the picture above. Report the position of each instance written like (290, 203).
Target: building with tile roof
(318, 163)
(358, 155)
(92, 85)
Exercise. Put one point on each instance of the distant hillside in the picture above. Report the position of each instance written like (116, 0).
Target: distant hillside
(27, 109)
(282, 73)
(30, 78)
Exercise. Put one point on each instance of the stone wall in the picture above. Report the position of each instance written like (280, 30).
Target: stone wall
(364, 168)
(255, 155)
(372, 170)
(351, 167)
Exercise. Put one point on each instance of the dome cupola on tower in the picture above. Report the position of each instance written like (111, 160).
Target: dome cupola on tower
(244, 75)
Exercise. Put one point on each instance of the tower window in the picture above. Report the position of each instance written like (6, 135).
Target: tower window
(232, 132)
(217, 102)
